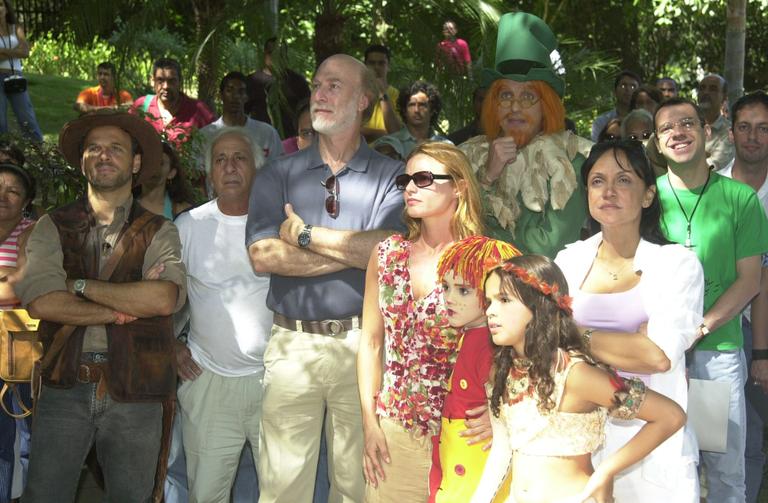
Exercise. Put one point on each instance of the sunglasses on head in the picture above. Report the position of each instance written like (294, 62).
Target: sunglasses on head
(421, 179)
(331, 184)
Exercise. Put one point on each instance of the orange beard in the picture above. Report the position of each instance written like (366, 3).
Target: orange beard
(521, 138)
(523, 135)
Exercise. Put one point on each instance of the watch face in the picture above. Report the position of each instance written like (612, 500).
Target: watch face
(79, 284)
(304, 238)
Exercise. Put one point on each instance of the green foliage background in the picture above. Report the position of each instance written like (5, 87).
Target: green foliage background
(679, 38)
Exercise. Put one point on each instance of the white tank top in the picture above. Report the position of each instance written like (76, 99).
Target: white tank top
(9, 42)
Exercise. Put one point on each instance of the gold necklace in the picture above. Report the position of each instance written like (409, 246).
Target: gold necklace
(614, 275)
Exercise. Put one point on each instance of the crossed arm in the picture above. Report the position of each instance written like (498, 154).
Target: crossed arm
(20, 51)
(46, 290)
(330, 250)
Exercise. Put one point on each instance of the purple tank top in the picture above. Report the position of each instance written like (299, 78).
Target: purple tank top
(615, 312)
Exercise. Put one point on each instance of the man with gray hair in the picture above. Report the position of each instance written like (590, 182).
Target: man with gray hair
(314, 218)
(712, 93)
(222, 364)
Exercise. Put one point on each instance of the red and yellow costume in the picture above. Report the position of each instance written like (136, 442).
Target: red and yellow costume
(456, 466)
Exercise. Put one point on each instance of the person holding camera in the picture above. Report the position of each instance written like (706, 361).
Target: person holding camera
(13, 48)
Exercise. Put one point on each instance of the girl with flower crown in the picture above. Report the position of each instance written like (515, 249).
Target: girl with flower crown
(549, 402)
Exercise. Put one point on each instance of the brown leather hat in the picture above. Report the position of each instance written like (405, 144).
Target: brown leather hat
(74, 132)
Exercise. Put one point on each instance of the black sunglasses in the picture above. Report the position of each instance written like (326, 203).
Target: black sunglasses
(331, 184)
(421, 179)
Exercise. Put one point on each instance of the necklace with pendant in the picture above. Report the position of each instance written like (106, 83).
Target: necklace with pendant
(519, 383)
(688, 220)
(614, 275)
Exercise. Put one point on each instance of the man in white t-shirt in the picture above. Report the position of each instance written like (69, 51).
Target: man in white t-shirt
(749, 134)
(222, 363)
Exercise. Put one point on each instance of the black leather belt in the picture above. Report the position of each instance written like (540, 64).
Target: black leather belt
(322, 327)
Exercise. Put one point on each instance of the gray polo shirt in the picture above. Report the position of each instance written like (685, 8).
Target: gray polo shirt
(368, 200)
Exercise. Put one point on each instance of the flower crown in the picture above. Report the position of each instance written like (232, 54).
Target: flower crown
(552, 291)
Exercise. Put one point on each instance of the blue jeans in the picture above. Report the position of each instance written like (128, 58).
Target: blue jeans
(9, 428)
(22, 108)
(725, 471)
(754, 457)
(68, 421)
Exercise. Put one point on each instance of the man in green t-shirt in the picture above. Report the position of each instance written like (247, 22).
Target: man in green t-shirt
(723, 222)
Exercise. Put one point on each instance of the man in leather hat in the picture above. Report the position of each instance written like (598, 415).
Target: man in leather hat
(104, 276)
(526, 162)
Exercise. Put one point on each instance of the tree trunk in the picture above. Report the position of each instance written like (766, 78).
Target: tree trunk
(329, 32)
(207, 14)
(735, 33)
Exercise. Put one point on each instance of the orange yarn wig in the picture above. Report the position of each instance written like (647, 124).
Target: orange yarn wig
(470, 256)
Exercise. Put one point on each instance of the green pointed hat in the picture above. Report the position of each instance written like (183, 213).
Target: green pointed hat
(523, 48)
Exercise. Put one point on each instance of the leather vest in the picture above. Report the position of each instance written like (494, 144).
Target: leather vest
(141, 361)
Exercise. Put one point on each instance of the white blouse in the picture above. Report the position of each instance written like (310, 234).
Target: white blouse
(672, 292)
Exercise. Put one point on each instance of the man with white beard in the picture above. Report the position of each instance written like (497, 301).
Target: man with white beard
(314, 218)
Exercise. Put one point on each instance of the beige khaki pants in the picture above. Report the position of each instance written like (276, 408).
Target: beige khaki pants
(305, 375)
(218, 414)
(407, 476)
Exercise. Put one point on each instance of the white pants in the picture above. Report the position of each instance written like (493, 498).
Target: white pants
(218, 414)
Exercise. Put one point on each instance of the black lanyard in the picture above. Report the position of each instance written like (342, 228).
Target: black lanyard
(698, 200)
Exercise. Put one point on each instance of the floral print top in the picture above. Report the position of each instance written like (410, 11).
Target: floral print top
(420, 347)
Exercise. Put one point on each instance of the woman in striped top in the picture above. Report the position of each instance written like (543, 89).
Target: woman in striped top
(17, 190)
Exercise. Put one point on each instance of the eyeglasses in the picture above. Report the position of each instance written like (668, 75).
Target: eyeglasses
(421, 179)
(625, 85)
(525, 100)
(686, 124)
(331, 184)
(640, 137)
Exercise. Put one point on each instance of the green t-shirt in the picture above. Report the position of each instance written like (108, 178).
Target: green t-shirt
(545, 232)
(728, 225)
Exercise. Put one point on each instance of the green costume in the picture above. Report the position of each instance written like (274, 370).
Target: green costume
(538, 203)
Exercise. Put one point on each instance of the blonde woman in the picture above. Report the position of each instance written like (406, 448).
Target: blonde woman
(404, 319)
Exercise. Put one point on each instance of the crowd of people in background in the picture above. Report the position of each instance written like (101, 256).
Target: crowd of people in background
(367, 308)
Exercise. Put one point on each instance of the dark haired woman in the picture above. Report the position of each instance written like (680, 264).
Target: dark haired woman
(639, 301)
(548, 402)
(167, 192)
(13, 48)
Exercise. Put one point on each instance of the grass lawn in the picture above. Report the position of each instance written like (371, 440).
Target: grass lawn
(52, 98)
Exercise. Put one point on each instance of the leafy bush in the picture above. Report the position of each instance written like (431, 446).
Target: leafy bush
(59, 55)
(58, 183)
(131, 52)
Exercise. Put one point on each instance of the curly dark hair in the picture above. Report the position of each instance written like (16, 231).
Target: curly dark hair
(421, 86)
(549, 330)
